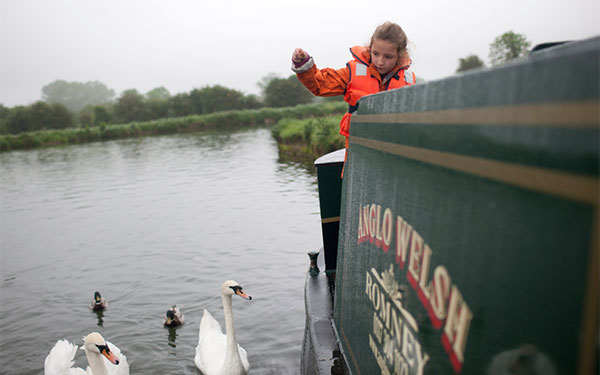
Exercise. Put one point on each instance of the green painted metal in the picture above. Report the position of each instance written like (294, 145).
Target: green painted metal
(329, 177)
(468, 236)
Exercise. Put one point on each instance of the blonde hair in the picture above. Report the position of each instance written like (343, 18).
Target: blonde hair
(393, 33)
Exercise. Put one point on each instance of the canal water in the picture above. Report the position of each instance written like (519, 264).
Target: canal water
(149, 223)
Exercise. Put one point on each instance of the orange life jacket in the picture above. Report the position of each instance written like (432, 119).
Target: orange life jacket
(363, 83)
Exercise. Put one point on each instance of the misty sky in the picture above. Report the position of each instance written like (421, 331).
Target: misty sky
(187, 44)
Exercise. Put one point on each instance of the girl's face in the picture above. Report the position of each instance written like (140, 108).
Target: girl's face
(384, 56)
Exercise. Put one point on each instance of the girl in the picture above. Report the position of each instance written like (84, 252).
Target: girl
(383, 65)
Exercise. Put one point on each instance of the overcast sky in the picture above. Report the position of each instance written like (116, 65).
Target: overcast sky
(187, 44)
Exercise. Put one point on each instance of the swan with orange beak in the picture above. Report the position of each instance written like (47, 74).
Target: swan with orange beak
(103, 358)
(218, 353)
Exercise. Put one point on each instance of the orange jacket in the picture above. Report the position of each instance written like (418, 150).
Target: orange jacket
(357, 79)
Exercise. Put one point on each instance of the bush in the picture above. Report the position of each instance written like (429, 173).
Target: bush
(220, 120)
(290, 130)
(326, 135)
(313, 136)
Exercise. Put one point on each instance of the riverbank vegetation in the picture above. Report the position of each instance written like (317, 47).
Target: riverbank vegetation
(308, 138)
(79, 105)
(75, 113)
(219, 120)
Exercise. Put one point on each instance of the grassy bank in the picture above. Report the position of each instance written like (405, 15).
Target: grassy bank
(221, 120)
(309, 138)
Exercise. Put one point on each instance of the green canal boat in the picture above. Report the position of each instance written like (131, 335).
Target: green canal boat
(463, 238)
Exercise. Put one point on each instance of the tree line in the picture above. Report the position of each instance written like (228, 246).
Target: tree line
(75, 104)
(506, 47)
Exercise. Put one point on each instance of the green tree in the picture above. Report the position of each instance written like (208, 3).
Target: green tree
(4, 113)
(59, 117)
(101, 115)
(130, 107)
(179, 105)
(76, 95)
(157, 108)
(507, 47)
(284, 92)
(94, 115)
(38, 116)
(49, 116)
(217, 98)
(157, 102)
(251, 102)
(18, 120)
(158, 93)
(468, 63)
(85, 117)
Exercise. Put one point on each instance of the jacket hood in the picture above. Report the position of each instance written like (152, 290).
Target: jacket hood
(361, 54)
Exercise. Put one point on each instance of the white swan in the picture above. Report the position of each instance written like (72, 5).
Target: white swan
(216, 353)
(60, 359)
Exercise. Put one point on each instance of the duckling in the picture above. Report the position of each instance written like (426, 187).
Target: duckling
(99, 303)
(173, 317)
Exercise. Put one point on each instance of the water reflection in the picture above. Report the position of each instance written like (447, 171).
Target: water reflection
(119, 213)
(172, 336)
(100, 316)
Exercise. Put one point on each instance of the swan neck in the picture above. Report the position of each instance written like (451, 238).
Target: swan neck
(96, 363)
(232, 349)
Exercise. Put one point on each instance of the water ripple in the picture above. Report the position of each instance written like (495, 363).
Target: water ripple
(153, 222)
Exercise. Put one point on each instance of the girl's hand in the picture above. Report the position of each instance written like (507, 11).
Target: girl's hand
(299, 55)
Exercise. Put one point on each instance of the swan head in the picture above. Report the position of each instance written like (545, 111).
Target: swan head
(230, 287)
(95, 343)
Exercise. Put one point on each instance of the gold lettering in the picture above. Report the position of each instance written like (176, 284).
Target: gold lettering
(387, 229)
(365, 221)
(457, 323)
(377, 327)
(397, 327)
(376, 296)
(384, 312)
(416, 252)
(360, 225)
(424, 277)
(408, 350)
(388, 347)
(372, 222)
(440, 292)
(400, 366)
(378, 226)
(403, 230)
(369, 284)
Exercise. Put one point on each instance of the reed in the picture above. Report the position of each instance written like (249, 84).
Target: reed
(194, 123)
